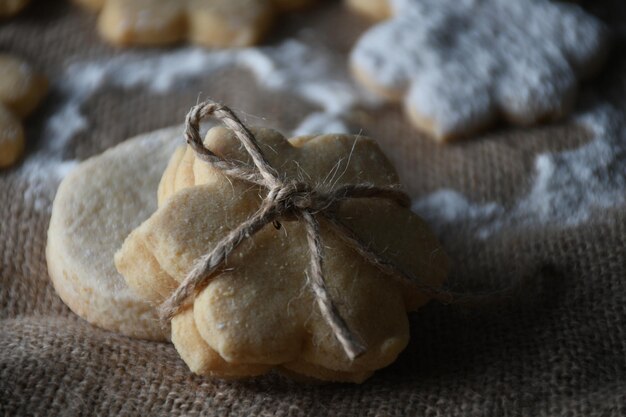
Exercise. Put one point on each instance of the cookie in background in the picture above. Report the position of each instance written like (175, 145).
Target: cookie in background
(21, 90)
(461, 66)
(210, 23)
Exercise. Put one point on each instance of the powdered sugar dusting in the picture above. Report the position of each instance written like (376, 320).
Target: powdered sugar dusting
(307, 70)
(321, 122)
(569, 186)
(42, 177)
(462, 62)
(567, 189)
(449, 206)
(42, 172)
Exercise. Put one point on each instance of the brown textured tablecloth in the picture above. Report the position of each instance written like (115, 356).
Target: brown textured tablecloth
(559, 348)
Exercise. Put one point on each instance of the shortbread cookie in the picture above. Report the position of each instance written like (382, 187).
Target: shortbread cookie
(11, 7)
(461, 64)
(373, 9)
(21, 90)
(96, 207)
(259, 313)
(213, 23)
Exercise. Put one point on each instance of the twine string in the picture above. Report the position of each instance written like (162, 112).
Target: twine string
(286, 200)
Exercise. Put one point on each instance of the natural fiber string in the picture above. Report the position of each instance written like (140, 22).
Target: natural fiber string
(292, 200)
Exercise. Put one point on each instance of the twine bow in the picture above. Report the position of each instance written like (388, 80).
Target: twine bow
(286, 200)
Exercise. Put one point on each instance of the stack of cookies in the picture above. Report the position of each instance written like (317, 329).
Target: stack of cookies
(257, 313)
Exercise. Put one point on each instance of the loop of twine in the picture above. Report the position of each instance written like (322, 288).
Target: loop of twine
(290, 200)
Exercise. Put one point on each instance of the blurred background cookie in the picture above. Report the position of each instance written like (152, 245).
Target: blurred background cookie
(461, 65)
(21, 90)
(212, 23)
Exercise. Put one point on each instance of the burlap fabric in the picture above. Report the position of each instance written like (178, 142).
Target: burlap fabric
(559, 348)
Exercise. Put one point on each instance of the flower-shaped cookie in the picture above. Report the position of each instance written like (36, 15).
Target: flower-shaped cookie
(11, 7)
(461, 64)
(259, 312)
(21, 89)
(213, 23)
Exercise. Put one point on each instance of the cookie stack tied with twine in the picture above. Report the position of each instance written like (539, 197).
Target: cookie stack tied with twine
(299, 255)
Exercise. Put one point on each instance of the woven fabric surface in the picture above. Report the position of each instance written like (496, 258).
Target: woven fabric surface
(556, 348)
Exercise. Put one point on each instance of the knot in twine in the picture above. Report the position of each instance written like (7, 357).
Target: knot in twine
(286, 200)
(293, 196)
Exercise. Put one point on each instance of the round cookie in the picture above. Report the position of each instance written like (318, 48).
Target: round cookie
(21, 90)
(96, 207)
(462, 65)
